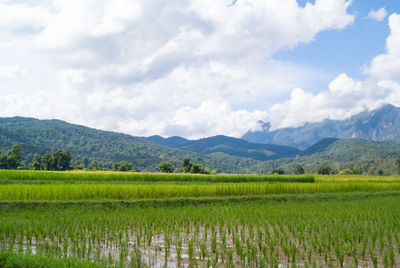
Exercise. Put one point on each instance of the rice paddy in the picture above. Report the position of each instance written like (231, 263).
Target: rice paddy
(112, 176)
(153, 191)
(212, 221)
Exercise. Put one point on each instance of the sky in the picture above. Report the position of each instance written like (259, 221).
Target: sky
(197, 68)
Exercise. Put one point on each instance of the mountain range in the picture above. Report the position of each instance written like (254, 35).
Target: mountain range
(378, 125)
(344, 143)
(228, 145)
(239, 147)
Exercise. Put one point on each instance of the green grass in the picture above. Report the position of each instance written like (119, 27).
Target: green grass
(102, 176)
(9, 259)
(196, 201)
(152, 191)
(356, 178)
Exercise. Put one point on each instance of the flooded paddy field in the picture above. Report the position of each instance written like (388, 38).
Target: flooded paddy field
(322, 233)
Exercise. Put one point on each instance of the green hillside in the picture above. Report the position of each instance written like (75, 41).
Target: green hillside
(87, 144)
(341, 154)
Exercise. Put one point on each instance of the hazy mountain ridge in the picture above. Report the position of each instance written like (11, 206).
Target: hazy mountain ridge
(378, 125)
(340, 153)
(229, 145)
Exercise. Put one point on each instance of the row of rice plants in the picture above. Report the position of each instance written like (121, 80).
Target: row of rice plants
(30, 175)
(311, 234)
(9, 259)
(356, 178)
(129, 192)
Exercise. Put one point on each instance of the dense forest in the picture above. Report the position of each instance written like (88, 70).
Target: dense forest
(87, 145)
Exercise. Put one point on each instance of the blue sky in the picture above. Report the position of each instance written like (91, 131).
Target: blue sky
(197, 68)
(347, 50)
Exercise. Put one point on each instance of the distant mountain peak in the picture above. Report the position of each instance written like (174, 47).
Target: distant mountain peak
(265, 126)
(380, 124)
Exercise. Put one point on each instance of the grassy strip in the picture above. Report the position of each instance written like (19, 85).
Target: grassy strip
(30, 175)
(39, 182)
(356, 178)
(152, 191)
(175, 202)
(10, 259)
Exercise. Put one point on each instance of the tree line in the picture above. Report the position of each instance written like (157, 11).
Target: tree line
(61, 160)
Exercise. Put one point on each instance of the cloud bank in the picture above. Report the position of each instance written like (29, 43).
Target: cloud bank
(192, 68)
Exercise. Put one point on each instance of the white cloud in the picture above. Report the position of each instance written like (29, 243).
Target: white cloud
(22, 18)
(378, 15)
(344, 98)
(386, 66)
(347, 96)
(11, 72)
(192, 68)
(213, 117)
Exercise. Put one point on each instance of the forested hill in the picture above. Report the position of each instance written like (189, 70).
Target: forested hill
(230, 146)
(378, 125)
(369, 156)
(87, 144)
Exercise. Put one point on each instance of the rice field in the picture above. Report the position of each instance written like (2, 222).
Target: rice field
(349, 233)
(86, 219)
(356, 178)
(112, 176)
(153, 191)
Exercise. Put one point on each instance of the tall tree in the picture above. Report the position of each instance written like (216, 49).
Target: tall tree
(36, 162)
(14, 157)
(61, 160)
(186, 165)
(3, 161)
(47, 162)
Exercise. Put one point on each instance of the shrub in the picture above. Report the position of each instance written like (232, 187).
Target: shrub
(123, 166)
(298, 170)
(346, 171)
(166, 167)
(199, 169)
(277, 171)
(325, 170)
